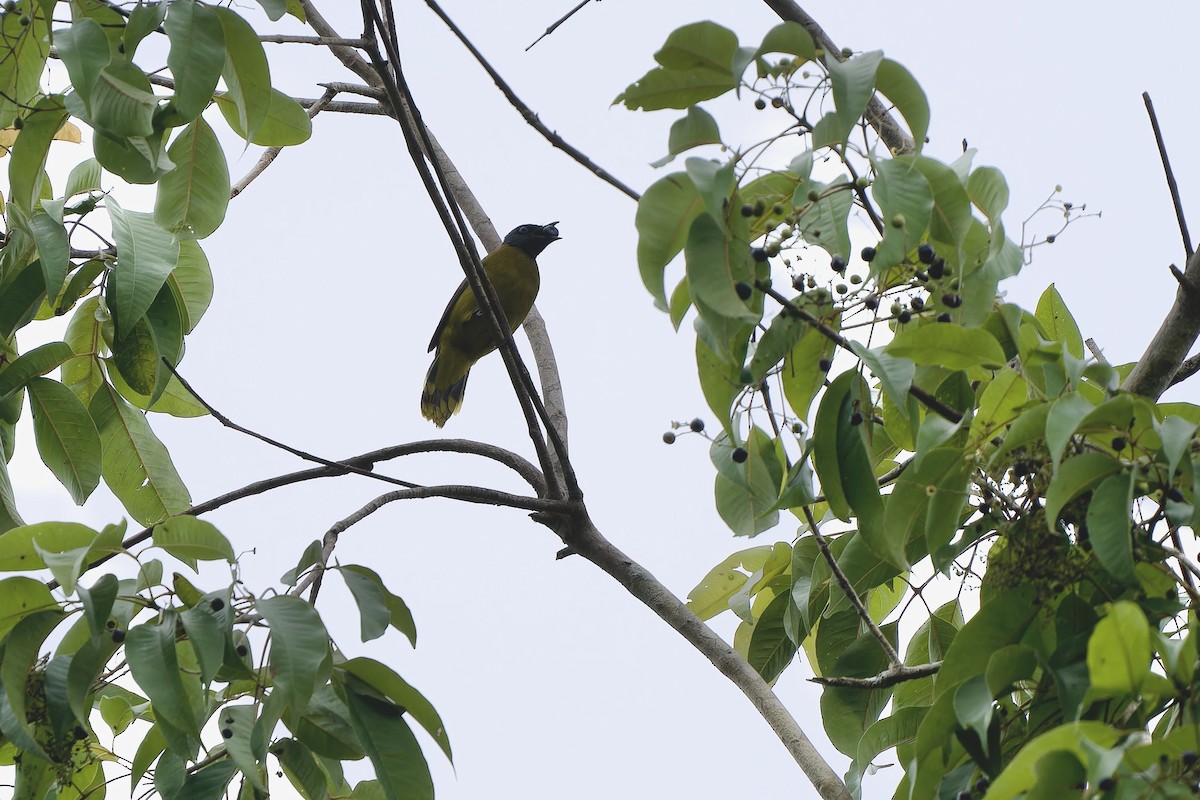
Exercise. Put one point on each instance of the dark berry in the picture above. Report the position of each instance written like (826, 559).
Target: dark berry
(24, 20)
(925, 253)
(981, 785)
(241, 650)
(1188, 757)
(228, 734)
(758, 254)
(921, 275)
(739, 455)
(904, 317)
(1174, 494)
(668, 438)
(110, 624)
(743, 290)
(18, 123)
(963, 795)
(917, 303)
(868, 253)
(747, 210)
(80, 733)
(1119, 443)
(838, 264)
(1050, 239)
(938, 268)
(871, 303)
(760, 104)
(952, 300)
(798, 283)
(696, 425)
(777, 102)
(118, 635)
(1107, 784)
(856, 418)
(945, 317)
(824, 365)
(217, 604)
(777, 209)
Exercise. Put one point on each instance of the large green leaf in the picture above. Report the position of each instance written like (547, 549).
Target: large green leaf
(25, 49)
(898, 85)
(948, 346)
(192, 540)
(1118, 652)
(136, 465)
(82, 373)
(66, 437)
(122, 101)
(287, 122)
(1057, 321)
(246, 73)
(150, 651)
(299, 647)
(27, 163)
(1108, 526)
(853, 84)
(904, 196)
(1001, 621)
(146, 254)
(193, 197)
(772, 647)
(197, 55)
(37, 361)
(192, 283)
(1075, 476)
(664, 217)
(952, 217)
(824, 222)
(715, 265)
(400, 767)
(385, 680)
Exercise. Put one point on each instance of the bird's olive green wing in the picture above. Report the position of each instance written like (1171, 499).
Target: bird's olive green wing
(441, 326)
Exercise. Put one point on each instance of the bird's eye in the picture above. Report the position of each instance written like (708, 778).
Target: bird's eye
(525, 230)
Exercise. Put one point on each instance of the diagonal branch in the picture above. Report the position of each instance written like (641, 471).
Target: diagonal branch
(1166, 352)
(1172, 186)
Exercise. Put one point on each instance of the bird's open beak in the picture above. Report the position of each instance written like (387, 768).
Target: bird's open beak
(550, 229)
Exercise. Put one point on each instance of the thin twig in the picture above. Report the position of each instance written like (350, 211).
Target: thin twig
(889, 677)
(228, 423)
(527, 113)
(1095, 350)
(1187, 369)
(271, 153)
(1171, 184)
(553, 27)
(894, 660)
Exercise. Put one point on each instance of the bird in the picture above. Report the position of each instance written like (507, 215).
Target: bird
(464, 335)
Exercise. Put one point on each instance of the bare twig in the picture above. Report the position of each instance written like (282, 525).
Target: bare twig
(322, 41)
(1187, 369)
(1163, 357)
(889, 650)
(1095, 350)
(1171, 184)
(554, 26)
(526, 112)
(889, 677)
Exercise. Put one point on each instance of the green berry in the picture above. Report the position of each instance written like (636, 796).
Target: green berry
(897, 220)
(813, 195)
(669, 438)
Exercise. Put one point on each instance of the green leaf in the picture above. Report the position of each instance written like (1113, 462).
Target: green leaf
(898, 85)
(246, 72)
(370, 595)
(26, 48)
(18, 551)
(136, 159)
(1076, 475)
(150, 651)
(1042, 754)
(301, 768)
(952, 217)
(719, 378)
(824, 222)
(22, 646)
(383, 679)
(287, 122)
(400, 767)
(780, 338)
(772, 648)
(136, 357)
(903, 193)
(84, 177)
(747, 493)
(1057, 321)
(66, 437)
(36, 362)
(998, 404)
(54, 250)
(142, 21)
(696, 129)
(27, 163)
(136, 465)
(988, 191)
(664, 218)
(191, 540)
(681, 301)
(1062, 420)
(1108, 527)
(704, 45)
(1001, 621)
(948, 346)
(895, 374)
(122, 102)
(853, 84)
(192, 283)
(802, 376)
(23, 295)
(827, 445)
(197, 55)
(1176, 434)
(663, 88)
(711, 596)
(715, 265)
(146, 254)
(193, 197)
(789, 37)
(84, 50)
(714, 181)
(299, 647)
(82, 374)
(207, 783)
(1118, 651)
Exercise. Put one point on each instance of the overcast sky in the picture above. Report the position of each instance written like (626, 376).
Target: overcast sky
(331, 271)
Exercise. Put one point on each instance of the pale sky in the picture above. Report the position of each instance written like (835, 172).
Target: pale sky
(331, 271)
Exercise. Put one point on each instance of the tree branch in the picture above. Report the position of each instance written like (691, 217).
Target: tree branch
(889, 650)
(1164, 356)
(889, 677)
(526, 112)
(1172, 186)
(271, 153)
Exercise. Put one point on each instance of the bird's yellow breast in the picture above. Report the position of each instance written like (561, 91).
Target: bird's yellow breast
(515, 277)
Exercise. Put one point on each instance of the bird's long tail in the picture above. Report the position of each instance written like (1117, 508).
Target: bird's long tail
(443, 392)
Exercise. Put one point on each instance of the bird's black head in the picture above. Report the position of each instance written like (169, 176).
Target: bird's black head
(532, 239)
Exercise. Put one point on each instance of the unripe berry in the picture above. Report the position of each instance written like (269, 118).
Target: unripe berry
(669, 438)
